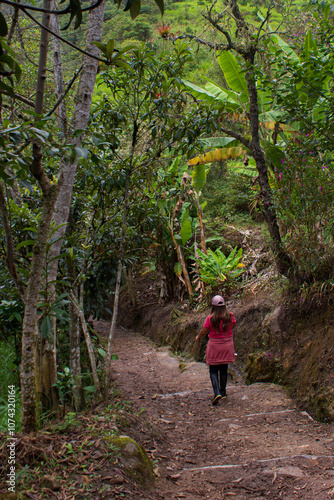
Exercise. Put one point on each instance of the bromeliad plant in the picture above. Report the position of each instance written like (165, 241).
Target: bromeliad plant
(216, 269)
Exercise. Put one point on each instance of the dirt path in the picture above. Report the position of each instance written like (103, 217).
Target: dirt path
(255, 444)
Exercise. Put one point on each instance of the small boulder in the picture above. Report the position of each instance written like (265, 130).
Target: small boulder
(133, 458)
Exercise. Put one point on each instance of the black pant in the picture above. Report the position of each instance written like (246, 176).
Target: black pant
(218, 383)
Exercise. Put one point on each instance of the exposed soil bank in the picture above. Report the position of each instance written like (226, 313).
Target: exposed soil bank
(274, 343)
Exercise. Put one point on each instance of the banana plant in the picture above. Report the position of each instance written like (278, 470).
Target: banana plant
(215, 268)
(178, 221)
(233, 103)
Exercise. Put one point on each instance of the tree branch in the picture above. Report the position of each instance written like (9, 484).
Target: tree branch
(66, 91)
(14, 23)
(237, 136)
(17, 5)
(65, 41)
(19, 98)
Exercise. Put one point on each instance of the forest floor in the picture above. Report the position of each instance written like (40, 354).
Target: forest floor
(254, 444)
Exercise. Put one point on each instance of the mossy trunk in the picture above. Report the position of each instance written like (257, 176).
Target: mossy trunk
(46, 374)
(29, 326)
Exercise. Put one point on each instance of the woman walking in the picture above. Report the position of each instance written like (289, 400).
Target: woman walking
(220, 348)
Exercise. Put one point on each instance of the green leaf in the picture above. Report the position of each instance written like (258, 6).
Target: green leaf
(25, 244)
(103, 49)
(199, 177)
(76, 12)
(231, 100)
(233, 74)
(200, 93)
(41, 134)
(275, 154)
(8, 89)
(46, 327)
(285, 47)
(216, 268)
(3, 26)
(186, 231)
(90, 388)
(127, 6)
(220, 142)
(26, 185)
(178, 269)
(135, 8)
(110, 48)
(309, 44)
(160, 4)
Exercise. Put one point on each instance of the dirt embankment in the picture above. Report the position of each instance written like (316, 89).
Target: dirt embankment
(274, 343)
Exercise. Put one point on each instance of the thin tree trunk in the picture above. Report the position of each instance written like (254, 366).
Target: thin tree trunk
(201, 225)
(183, 265)
(118, 285)
(58, 73)
(75, 362)
(248, 53)
(130, 286)
(10, 260)
(88, 340)
(36, 166)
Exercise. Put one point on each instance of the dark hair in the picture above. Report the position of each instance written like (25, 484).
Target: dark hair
(220, 314)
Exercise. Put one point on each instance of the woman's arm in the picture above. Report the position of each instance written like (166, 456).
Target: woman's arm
(202, 333)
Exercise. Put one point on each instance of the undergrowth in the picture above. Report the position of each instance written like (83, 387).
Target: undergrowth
(73, 456)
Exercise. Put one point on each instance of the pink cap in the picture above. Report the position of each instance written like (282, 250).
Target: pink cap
(218, 300)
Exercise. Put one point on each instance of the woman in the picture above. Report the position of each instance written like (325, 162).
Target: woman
(220, 348)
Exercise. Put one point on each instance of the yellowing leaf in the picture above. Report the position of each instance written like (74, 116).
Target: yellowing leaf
(216, 155)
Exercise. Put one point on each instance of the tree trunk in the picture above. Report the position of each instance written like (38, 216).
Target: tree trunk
(183, 265)
(201, 224)
(75, 362)
(46, 375)
(130, 286)
(283, 261)
(28, 374)
(81, 112)
(80, 119)
(10, 260)
(118, 285)
(88, 340)
(58, 73)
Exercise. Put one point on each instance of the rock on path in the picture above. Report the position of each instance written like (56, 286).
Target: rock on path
(255, 444)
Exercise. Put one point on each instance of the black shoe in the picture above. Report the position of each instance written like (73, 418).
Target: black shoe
(216, 399)
(223, 394)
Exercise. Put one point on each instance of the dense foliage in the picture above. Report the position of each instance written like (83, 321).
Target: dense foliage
(177, 134)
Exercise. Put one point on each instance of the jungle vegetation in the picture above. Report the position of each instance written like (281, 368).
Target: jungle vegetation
(124, 141)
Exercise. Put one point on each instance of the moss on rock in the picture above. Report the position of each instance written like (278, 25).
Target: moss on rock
(322, 405)
(133, 458)
(263, 367)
